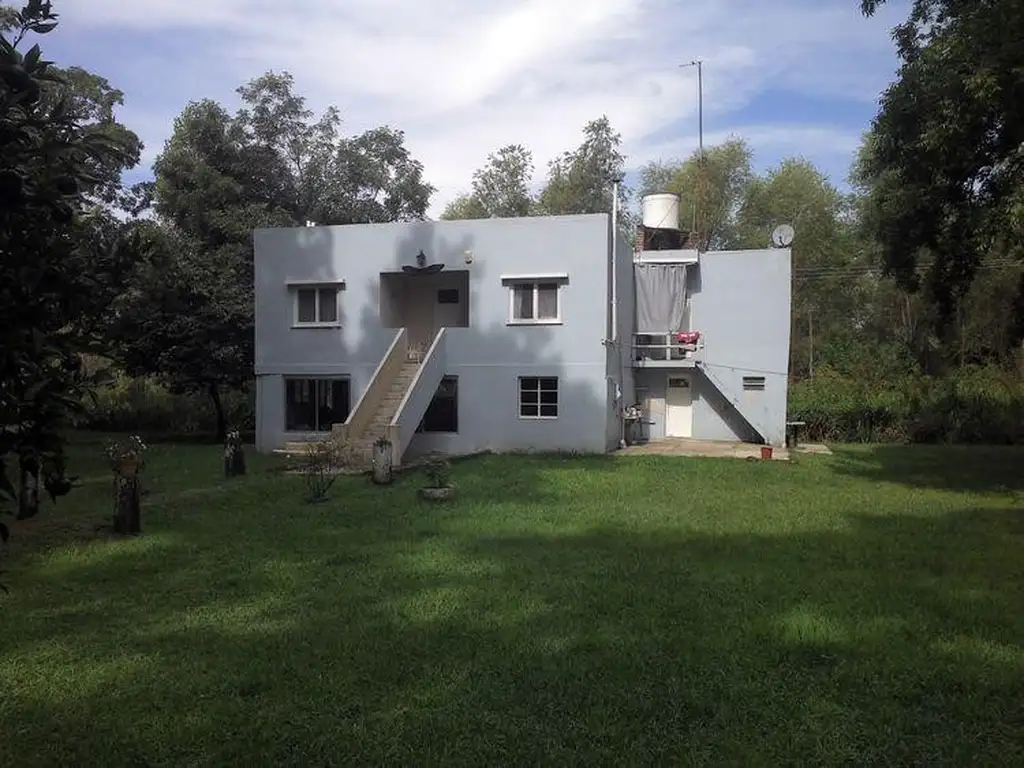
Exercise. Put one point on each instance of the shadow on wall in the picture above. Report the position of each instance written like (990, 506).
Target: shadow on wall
(488, 356)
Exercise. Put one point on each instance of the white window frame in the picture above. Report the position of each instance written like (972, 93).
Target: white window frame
(512, 282)
(296, 286)
(519, 398)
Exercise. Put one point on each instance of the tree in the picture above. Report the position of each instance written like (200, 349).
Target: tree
(189, 318)
(465, 206)
(502, 186)
(944, 163)
(829, 293)
(710, 191)
(57, 248)
(580, 181)
(221, 176)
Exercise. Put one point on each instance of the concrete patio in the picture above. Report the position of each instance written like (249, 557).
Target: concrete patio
(684, 446)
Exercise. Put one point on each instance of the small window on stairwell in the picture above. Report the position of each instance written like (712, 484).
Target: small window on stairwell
(442, 414)
(753, 383)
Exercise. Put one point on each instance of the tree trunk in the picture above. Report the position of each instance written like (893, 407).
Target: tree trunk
(218, 407)
(28, 488)
(127, 504)
(234, 458)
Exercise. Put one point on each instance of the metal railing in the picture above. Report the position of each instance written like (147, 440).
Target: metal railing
(669, 346)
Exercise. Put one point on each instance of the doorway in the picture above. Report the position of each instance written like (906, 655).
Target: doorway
(423, 304)
(678, 407)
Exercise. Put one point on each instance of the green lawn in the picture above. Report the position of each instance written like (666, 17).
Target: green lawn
(861, 608)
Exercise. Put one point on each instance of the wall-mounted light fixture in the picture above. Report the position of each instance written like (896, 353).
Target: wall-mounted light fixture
(467, 256)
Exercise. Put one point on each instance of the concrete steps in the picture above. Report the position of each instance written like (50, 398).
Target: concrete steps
(362, 445)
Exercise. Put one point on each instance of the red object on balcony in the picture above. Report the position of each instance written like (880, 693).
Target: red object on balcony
(688, 337)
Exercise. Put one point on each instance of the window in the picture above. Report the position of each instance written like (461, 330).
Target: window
(753, 383)
(443, 412)
(316, 305)
(314, 405)
(535, 302)
(538, 397)
(448, 296)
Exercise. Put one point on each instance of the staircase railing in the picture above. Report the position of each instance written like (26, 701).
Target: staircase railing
(359, 418)
(743, 409)
(417, 397)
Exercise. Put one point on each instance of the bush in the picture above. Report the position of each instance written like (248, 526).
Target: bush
(144, 405)
(976, 405)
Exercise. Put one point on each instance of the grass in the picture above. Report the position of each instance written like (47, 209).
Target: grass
(861, 608)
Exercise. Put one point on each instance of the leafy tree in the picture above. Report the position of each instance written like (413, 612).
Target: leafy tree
(62, 258)
(502, 186)
(465, 206)
(221, 176)
(944, 164)
(710, 190)
(580, 181)
(829, 295)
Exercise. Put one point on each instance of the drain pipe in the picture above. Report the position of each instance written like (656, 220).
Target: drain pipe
(615, 260)
(616, 341)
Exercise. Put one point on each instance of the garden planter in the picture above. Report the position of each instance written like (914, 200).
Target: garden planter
(766, 451)
(382, 464)
(437, 494)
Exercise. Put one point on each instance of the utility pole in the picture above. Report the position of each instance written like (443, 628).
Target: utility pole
(699, 64)
(810, 329)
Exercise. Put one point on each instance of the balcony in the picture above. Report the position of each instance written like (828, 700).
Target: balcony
(672, 349)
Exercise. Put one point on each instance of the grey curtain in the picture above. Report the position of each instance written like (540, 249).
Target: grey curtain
(660, 297)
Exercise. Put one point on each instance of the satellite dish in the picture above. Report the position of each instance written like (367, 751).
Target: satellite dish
(783, 235)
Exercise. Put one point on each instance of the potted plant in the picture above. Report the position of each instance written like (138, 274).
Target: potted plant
(382, 463)
(439, 474)
(127, 458)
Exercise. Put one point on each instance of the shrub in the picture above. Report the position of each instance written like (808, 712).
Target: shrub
(977, 405)
(439, 471)
(144, 405)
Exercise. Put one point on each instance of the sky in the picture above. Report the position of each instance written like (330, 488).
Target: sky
(462, 78)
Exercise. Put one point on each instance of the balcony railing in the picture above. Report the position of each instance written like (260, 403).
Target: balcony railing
(669, 348)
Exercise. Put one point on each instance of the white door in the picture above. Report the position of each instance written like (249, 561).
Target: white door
(678, 407)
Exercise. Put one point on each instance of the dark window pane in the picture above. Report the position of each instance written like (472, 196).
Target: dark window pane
(547, 301)
(529, 396)
(523, 302)
(549, 410)
(333, 403)
(528, 410)
(328, 305)
(307, 305)
(549, 382)
(442, 414)
(549, 396)
(300, 408)
(529, 382)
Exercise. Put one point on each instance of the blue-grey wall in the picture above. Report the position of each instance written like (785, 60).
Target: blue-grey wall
(488, 357)
(740, 303)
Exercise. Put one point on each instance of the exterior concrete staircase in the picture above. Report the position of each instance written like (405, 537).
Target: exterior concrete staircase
(362, 444)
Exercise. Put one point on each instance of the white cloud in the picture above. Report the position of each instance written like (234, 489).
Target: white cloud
(464, 77)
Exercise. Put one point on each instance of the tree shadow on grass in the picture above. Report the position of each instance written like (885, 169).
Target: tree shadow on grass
(418, 633)
(969, 469)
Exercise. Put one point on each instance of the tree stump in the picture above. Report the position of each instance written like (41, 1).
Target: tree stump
(381, 463)
(127, 501)
(28, 489)
(234, 456)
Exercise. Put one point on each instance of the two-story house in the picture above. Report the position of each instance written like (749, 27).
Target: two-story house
(514, 334)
